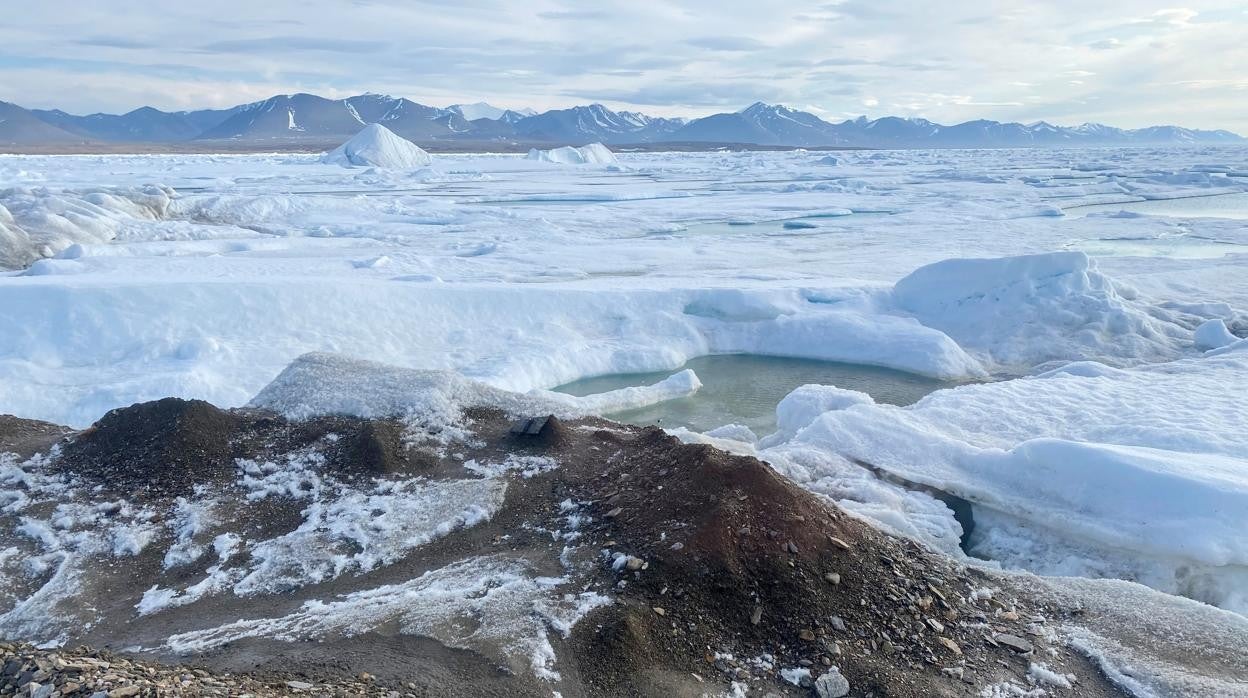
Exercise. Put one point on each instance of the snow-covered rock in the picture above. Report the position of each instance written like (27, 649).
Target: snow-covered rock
(377, 146)
(592, 154)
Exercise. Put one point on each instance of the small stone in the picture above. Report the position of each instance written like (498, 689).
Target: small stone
(124, 691)
(1014, 642)
(1009, 615)
(365, 676)
(756, 616)
(678, 546)
(807, 635)
(935, 625)
(838, 624)
(832, 578)
(831, 684)
(659, 610)
(953, 671)
(950, 645)
(615, 512)
(838, 543)
(925, 602)
(633, 563)
(38, 690)
(298, 685)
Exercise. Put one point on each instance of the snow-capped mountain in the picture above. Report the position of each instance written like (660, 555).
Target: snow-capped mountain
(307, 118)
(289, 117)
(478, 110)
(763, 124)
(596, 123)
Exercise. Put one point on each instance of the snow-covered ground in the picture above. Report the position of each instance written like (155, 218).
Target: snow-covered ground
(1112, 442)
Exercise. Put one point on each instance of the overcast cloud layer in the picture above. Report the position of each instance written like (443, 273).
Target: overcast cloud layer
(1124, 62)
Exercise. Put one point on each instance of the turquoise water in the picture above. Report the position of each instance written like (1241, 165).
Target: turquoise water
(744, 389)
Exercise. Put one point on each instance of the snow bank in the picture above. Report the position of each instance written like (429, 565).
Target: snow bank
(592, 154)
(39, 222)
(1025, 310)
(377, 146)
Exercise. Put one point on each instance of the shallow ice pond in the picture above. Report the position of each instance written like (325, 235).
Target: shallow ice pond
(1211, 206)
(744, 389)
(1179, 247)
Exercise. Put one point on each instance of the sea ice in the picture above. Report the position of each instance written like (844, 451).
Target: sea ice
(592, 154)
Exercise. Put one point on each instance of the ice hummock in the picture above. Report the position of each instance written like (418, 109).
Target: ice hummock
(377, 146)
(592, 154)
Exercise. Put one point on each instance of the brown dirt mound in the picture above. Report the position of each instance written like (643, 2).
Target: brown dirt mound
(164, 446)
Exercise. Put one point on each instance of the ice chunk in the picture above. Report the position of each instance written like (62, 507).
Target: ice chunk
(377, 146)
(592, 154)
(1213, 334)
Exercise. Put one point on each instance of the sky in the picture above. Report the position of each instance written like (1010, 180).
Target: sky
(1127, 63)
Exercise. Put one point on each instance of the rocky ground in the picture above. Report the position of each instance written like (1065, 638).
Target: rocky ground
(723, 578)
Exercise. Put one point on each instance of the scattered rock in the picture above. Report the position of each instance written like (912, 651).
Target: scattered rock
(838, 543)
(832, 578)
(832, 684)
(1013, 642)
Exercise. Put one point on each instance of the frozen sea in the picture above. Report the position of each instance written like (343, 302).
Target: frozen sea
(1078, 313)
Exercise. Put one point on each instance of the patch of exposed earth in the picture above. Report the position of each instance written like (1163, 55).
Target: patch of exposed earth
(237, 551)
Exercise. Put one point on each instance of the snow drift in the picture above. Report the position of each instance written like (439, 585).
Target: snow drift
(1021, 311)
(377, 146)
(592, 154)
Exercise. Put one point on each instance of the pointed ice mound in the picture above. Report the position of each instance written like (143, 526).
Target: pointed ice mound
(377, 146)
(592, 154)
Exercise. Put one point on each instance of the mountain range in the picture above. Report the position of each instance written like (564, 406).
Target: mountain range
(307, 120)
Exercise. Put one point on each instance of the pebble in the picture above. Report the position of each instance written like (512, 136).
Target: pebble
(615, 512)
(950, 645)
(299, 685)
(839, 543)
(832, 578)
(756, 616)
(837, 623)
(659, 610)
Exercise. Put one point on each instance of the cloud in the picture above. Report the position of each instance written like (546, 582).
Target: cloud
(114, 42)
(1071, 60)
(581, 15)
(727, 43)
(1105, 44)
(283, 44)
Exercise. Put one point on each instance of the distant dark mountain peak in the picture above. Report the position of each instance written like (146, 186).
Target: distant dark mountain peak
(308, 118)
